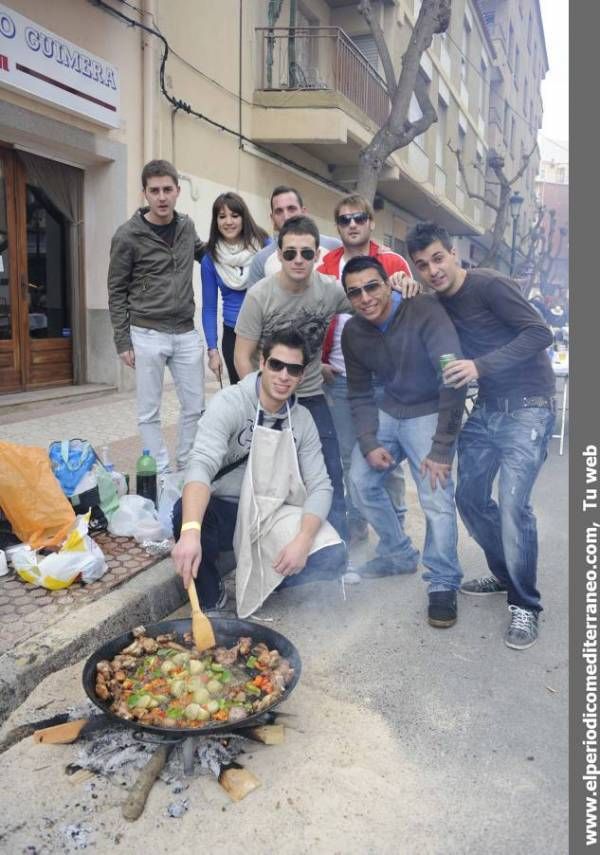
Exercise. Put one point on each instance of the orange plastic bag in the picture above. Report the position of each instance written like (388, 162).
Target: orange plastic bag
(31, 497)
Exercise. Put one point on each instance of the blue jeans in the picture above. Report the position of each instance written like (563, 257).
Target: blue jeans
(216, 536)
(411, 439)
(515, 445)
(336, 394)
(317, 406)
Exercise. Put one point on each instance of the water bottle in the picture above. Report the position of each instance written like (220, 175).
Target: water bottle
(146, 476)
(118, 478)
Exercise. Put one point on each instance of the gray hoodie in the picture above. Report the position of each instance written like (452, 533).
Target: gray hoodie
(224, 435)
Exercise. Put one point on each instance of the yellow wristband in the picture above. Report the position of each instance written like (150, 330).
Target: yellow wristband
(191, 525)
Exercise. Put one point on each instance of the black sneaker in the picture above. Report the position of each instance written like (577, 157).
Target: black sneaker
(523, 630)
(483, 586)
(388, 565)
(442, 611)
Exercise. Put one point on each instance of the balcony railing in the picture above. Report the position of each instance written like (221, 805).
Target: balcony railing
(321, 58)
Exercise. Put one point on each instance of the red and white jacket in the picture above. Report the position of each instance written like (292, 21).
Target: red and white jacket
(391, 261)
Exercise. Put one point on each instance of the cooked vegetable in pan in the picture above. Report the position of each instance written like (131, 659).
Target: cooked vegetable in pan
(163, 683)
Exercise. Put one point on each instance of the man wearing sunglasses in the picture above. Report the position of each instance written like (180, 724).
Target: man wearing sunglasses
(251, 484)
(354, 217)
(286, 202)
(398, 344)
(509, 429)
(300, 298)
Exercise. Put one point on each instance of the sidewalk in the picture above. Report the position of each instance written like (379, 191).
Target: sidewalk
(41, 631)
(39, 628)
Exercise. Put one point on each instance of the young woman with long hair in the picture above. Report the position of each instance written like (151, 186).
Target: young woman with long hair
(233, 242)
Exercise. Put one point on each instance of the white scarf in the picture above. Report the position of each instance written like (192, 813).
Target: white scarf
(232, 263)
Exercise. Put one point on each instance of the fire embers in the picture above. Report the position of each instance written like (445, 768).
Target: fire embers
(118, 756)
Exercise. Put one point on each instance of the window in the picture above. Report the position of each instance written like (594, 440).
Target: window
(529, 26)
(414, 111)
(517, 65)
(525, 96)
(479, 176)
(366, 45)
(511, 44)
(505, 124)
(464, 59)
(512, 136)
(483, 88)
(441, 137)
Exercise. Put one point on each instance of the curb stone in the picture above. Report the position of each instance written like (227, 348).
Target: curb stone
(147, 597)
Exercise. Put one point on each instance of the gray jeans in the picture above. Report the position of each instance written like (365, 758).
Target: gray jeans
(183, 353)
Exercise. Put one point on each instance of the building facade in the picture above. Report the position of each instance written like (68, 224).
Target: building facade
(251, 95)
(552, 193)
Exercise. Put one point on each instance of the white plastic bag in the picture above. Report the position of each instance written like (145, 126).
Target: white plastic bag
(78, 557)
(136, 517)
(170, 490)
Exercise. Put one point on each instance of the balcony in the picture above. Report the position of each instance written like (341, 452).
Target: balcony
(322, 61)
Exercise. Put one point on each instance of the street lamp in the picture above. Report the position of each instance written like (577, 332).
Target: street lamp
(515, 202)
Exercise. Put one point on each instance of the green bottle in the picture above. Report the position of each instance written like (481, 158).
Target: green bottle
(145, 471)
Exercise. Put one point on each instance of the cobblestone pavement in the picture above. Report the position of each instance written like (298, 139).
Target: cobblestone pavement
(27, 609)
(107, 421)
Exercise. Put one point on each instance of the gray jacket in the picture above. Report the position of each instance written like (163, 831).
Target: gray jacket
(224, 435)
(150, 284)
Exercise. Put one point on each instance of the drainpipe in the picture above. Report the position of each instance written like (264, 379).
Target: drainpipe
(149, 82)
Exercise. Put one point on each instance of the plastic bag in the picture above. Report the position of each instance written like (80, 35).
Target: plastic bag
(136, 517)
(71, 459)
(170, 490)
(78, 557)
(31, 497)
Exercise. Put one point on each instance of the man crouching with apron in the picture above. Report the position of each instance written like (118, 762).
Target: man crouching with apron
(256, 482)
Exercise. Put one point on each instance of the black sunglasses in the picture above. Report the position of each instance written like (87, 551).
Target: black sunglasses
(369, 288)
(290, 254)
(293, 369)
(345, 219)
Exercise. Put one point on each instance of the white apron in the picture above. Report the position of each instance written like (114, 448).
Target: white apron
(269, 514)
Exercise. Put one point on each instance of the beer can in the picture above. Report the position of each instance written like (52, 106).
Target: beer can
(446, 359)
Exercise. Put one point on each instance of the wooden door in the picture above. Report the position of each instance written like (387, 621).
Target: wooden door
(11, 356)
(35, 287)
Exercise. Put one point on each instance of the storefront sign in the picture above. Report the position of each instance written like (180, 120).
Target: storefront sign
(40, 63)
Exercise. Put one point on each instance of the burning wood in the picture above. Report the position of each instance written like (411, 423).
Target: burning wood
(238, 782)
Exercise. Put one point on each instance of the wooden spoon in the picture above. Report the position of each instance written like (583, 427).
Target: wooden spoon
(202, 631)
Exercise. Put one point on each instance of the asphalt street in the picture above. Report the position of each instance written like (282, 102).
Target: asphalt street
(408, 739)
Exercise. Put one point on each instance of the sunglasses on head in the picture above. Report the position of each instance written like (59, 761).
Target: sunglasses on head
(369, 288)
(293, 368)
(359, 217)
(290, 254)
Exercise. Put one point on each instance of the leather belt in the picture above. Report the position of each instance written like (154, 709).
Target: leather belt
(508, 405)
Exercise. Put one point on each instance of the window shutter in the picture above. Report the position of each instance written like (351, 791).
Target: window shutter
(366, 45)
